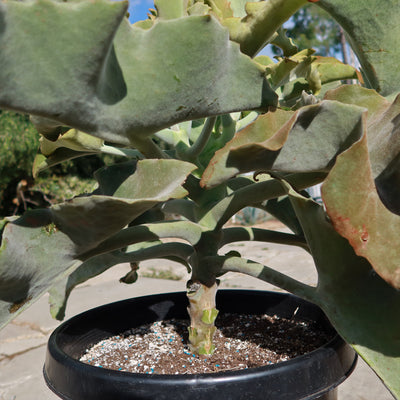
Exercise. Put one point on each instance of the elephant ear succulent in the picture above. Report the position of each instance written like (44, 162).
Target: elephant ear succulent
(175, 71)
(207, 128)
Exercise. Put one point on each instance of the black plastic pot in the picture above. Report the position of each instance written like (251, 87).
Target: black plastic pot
(312, 376)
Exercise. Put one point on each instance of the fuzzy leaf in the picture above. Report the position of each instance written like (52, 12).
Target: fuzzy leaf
(74, 140)
(81, 64)
(223, 8)
(90, 220)
(330, 70)
(383, 132)
(33, 256)
(71, 144)
(354, 94)
(60, 292)
(111, 177)
(374, 33)
(274, 123)
(42, 162)
(358, 214)
(281, 71)
(170, 9)
(237, 7)
(284, 42)
(254, 23)
(174, 137)
(40, 249)
(360, 305)
(306, 72)
(286, 142)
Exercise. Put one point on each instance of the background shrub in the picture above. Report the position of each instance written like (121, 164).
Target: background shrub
(17, 152)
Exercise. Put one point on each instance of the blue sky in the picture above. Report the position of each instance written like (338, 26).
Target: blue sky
(138, 9)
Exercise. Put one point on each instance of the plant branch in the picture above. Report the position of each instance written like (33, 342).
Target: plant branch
(256, 193)
(165, 250)
(267, 274)
(148, 148)
(228, 128)
(201, 142)
(185, 230)
(238, 234)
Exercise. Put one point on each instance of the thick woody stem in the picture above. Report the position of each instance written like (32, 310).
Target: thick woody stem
(202, 311)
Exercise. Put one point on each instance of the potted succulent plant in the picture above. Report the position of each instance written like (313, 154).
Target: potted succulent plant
(185, 98)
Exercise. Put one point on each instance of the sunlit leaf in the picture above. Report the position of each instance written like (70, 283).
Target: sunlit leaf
(288, 142)
(82, 64)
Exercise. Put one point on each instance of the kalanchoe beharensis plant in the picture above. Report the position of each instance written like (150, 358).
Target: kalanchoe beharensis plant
(207, 128)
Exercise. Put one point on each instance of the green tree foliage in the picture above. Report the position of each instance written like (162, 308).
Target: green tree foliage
(19, 143)
(312, 27)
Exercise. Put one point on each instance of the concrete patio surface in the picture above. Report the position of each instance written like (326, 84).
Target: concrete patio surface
(23, 342)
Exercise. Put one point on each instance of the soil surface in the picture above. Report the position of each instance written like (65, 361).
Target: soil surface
(242, 341)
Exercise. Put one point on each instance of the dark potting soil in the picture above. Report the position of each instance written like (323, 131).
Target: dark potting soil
(242, 341)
